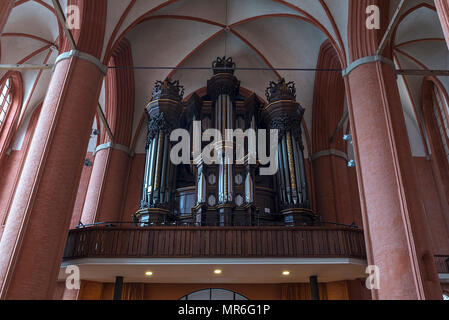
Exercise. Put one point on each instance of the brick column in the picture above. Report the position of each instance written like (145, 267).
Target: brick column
(443, 12)
(334, 201)
(106, 192)
(35, 233)
(396, 231)
(94, 190)
(5, 9)
(105, 195)
(394, 223)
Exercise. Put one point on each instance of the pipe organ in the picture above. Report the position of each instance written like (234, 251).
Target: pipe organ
(221, 185)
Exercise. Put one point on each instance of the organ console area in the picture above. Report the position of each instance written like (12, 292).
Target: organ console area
(225, 193)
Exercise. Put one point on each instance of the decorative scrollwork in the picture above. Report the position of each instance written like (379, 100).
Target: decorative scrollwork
(281, 90)
(145, 205)
(168, 89)
(157, 123)
(287, 123)
(223, 65)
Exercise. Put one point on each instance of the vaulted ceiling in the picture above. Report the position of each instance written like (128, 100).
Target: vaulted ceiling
(192, 33)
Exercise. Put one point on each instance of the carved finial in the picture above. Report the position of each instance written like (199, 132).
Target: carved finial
(223, 81)
(168, 89)
(223, 65)
(281, 90)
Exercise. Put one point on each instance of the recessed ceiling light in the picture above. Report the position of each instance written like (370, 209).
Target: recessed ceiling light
(285, 273)
(149, 273)
(218, 271)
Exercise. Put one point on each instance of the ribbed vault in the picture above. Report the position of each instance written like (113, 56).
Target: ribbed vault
(257, 33)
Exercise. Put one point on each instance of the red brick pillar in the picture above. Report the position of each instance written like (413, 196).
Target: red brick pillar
(105, 195)
(5, 8)
(36, 230)
(394, 223)
(106, 192)
(443, 12)
(334, 201)
(34, 237)
(94, 190)
(396, 232)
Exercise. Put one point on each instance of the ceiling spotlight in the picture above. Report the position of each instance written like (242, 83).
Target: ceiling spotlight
(286, 273)
(148, 273)
(218, 271)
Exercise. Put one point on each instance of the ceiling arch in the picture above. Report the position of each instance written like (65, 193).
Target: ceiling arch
(261, 34)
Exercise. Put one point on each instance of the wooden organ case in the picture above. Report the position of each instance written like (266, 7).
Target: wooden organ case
(224, 192)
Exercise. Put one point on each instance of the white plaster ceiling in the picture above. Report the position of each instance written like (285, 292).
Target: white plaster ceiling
(262, 33)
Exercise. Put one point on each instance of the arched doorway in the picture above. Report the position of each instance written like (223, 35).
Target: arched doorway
(214, 294)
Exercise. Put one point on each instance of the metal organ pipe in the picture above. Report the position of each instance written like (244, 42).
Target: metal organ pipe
(285, 114)
(224, 120)
(163, 116)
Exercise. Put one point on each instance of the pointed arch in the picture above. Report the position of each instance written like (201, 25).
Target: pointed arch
(435, 103)
(10, 105)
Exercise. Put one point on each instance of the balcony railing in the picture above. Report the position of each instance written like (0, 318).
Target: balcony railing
(201, 242)
(442, 263)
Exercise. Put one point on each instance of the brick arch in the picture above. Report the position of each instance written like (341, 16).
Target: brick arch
(90, 37)
(333, 186)
(104, 197)
(119, 87)
(12, 115)
(328, 101)
(362, 41)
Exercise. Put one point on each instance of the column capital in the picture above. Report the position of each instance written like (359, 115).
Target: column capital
(365, 60)
(83, 56)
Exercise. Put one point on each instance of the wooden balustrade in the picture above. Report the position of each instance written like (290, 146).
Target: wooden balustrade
(201, 242)
(442, 263)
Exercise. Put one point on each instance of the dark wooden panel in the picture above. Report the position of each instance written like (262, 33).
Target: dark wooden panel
(160, 242)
